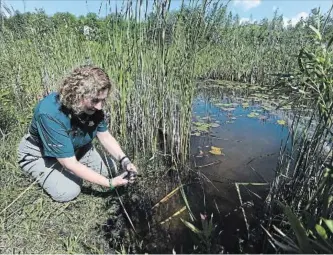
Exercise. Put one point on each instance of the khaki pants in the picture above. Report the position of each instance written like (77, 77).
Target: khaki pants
(61, 184)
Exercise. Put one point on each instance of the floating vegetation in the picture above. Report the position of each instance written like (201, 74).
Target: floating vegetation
(245, 105)
(258, 110)
(226, 105)
(199, 124)
(253, 115)
(203, 127)
(228, 109)
(215, 150)
(281, 122)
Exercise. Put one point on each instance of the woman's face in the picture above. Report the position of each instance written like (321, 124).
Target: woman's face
(93, 104)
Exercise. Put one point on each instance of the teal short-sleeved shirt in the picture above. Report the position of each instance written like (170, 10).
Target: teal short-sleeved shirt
(58, 132)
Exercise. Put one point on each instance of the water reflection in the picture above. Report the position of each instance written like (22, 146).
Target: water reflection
(249, 135)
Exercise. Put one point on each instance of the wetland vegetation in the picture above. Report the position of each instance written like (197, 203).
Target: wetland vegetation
(229, 123)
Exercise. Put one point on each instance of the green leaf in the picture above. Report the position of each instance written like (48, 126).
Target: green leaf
(298, 228)
(321, 248)
(191, 226)
(316, 31)
(330, 42)
(330, 199)
(329, 224)
(281, 122)
(285, 246)
(216, 150)
(321, 231)
(245, 105)
(202, 128)
(300, 62)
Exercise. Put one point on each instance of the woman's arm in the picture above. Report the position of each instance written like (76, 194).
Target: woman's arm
(88, 174)
(111, 145)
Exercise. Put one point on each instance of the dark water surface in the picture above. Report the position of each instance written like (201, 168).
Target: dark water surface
(250, 139)
(250, 147)
(246, 141)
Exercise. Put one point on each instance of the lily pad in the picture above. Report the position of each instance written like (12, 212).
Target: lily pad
(281, 122)
(216, 150)
(202, 128)
(228, 109)
(227, 105)
(201, 124)
(253, 115)
(215, 125)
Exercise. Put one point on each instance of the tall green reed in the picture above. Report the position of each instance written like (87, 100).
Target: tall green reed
(154, 76)
(303, 179)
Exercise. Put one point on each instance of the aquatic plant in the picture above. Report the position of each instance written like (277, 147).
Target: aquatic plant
(303, 179)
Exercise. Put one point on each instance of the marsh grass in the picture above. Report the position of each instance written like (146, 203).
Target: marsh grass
(94, 222)
(154, 62)
(149, 96)
(302, 188)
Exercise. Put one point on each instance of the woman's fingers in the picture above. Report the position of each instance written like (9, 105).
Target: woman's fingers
(131, 167)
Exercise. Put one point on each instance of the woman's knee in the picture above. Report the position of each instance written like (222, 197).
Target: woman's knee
(62, 187)
(66, 195)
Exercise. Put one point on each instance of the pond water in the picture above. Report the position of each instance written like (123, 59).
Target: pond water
(234, 139)
(248, 134)
(249, 138)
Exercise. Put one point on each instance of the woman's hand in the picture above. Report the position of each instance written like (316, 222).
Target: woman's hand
(120, 180)
(132, 168)
(128, 166)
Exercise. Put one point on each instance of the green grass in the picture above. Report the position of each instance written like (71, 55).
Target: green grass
(303, 177)
(154, 63)
(32, 223)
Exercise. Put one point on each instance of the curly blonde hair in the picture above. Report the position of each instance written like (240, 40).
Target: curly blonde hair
(83, 82)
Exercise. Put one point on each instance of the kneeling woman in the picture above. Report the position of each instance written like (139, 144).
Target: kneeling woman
(58, 150)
